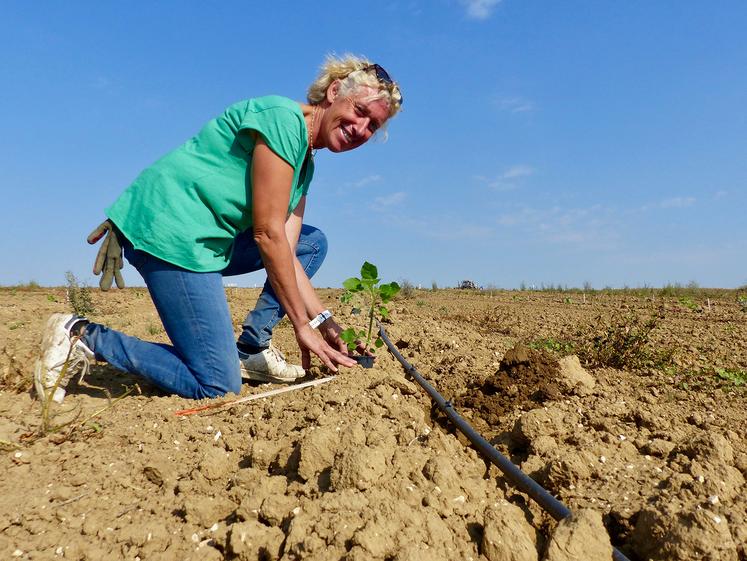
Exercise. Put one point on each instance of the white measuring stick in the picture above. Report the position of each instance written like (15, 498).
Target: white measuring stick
(282, 390)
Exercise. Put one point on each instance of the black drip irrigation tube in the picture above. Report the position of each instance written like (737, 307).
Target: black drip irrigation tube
(513, 474)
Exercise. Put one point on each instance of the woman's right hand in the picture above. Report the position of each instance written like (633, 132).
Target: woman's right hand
(309, 342)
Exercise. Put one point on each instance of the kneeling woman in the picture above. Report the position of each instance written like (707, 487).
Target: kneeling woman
(227, 202)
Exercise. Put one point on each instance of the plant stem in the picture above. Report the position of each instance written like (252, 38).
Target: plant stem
(370, 318)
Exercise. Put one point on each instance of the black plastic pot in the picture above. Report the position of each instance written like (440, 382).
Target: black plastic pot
(365, 361)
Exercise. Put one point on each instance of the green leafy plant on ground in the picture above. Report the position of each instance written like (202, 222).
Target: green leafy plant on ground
(625, 343)
(735, 376)
(689, 303)
(742, 301)
(552, 345)
(371, 295)
(79, 296)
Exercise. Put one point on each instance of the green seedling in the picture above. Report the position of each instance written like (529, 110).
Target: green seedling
(370, 296)
(689, 303)
(735, 376)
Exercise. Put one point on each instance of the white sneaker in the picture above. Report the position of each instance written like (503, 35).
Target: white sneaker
(269, 366)
(58, 348)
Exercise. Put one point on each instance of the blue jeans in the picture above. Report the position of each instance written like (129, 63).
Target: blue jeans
(202, 360)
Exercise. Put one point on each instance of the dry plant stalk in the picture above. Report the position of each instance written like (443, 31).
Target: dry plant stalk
(47, 424)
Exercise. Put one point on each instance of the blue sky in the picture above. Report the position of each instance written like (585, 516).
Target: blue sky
(540, 142)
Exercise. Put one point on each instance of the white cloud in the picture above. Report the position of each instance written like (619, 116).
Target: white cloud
(480, 9)
(673, 202)
(678, 202)
(515, 104)
(586, 228)
(364, 181)
(505, 181)
(388, 201)
(517, 171)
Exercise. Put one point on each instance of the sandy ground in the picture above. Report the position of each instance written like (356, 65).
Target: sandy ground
(651, 458)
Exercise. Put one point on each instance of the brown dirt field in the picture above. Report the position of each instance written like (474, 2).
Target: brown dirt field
(361, 468)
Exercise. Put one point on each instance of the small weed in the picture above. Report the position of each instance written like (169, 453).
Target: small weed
(16, 325)
(625, 343)
(420, 303)
(742, 301)
(567, 301)
(443, 310)
(735, 376)
(49, 426)
(689, 303)
(51, 298)
(79, 296)
(552, 345)
(154, 329)
(406, 289)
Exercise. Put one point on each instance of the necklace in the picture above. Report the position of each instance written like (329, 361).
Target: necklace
(311, 130)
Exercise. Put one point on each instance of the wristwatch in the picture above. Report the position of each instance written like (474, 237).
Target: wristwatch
(320, 319)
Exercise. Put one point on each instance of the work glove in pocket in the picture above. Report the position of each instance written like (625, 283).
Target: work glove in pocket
(109, 258)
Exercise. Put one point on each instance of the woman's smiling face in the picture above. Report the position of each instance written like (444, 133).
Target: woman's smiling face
(350, 121)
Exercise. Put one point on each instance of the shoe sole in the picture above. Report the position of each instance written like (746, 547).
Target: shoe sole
(264, 377)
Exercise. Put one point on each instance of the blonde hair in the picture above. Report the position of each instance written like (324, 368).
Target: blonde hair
(349, 69)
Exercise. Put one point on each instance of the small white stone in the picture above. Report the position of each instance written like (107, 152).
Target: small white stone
(700, 479)
(209, 428)
(214, 527)
(296, 510)
(602, 459)
(59, 551)
(621, 437)
(460, 499)
(713, 499)
(17, 553)
(717, 519)
(217, 436)
(195, 538)
(18, 454)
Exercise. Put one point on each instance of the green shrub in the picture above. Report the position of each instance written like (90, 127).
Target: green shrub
(624, 343)
(79, 296)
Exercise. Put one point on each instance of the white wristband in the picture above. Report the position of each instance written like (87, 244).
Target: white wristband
(321, 318)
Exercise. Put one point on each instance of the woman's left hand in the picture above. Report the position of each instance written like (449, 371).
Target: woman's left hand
(330, 331)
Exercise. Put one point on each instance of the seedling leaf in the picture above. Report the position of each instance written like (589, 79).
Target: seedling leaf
(387, 291)
(353, 284)
(369, 272)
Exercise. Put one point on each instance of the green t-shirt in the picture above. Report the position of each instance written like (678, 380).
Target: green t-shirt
(188, 207)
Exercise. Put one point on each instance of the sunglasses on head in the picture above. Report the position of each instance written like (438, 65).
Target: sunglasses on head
(384, 77)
